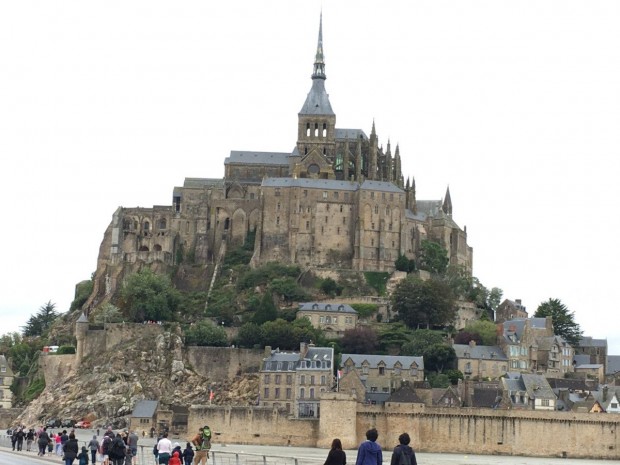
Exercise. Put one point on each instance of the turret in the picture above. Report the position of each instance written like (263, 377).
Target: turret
(398, 174)
(81, 329)
(372, 165)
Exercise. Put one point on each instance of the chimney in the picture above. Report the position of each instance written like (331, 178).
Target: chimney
(518, 302)
(605, 393)
(303, 350)
(267, 351)
(472, 343)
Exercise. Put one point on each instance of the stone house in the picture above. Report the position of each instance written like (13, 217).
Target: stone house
(528, 391)
(338, 199)
(595, 349)
(612, 369)
(555, 355)
(6, 379)
(333, 319)
(384, 373)
(479, 362)
(294, 381)
(510, 310)
(144, 416)
(591, 370)
(519, 341)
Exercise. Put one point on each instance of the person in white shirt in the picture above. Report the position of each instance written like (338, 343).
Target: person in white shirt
(164, 449)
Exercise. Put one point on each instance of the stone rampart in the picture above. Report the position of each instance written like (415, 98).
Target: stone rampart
(223, 363)
(433, 430)
(253, 425)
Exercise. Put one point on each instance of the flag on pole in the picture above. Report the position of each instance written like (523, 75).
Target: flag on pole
(339, 374)
(211, 395)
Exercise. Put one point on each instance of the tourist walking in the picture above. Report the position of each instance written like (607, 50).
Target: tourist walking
(43, 440)
(70, 449)
(29, 439)
(369, 452)
(164, 449)
(83, 457)
(117, 450)
(132, 443)
(188, 454)
(336, 455)
(93, 446)
(403, 454)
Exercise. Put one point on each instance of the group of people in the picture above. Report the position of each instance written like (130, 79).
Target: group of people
(370, 453)
(167, 453)
(115, 449)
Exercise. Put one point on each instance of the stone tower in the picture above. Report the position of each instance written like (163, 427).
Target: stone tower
(81, 328)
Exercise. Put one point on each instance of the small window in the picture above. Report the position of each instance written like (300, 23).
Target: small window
(277, 193)
(305, 193)
(324, 194)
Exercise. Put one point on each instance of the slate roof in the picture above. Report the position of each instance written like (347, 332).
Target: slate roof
(581, 359)
(292, 361)
(537, 386)
(198, 183)
(590, 366)
(145, 409)
(575, 384)
(611, 390)
(420, 216)
(479, 352)
(317, 101)
(257, 158)
(388, 360)
(327, 184)
(351, 134)
(382, 186)
(429, 207)
(326, 307)
(588, 341)
(517, 325)
(546, 342)
(486, 398)
(613, 364)
(405, 394)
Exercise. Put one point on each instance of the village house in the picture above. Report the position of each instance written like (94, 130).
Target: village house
(510, 310)
(528, 392)
(478, 362)
(293, 381)
(333, 319)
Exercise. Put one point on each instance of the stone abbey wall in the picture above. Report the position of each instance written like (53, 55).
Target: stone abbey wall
(433, 430)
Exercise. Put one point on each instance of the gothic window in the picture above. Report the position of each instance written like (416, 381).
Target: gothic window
(314, 169)
(226, 223)
(147, 225)
(162, 223)
(339, 163)
(307, 129)
(324, 130)
(316, 129)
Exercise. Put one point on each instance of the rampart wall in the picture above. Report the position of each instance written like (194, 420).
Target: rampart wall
(434, 430)
(223, 362)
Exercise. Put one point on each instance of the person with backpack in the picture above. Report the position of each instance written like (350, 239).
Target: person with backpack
(104, 449)
(164, 449)
(336, 455)
(29, 439)
(83, 457)
(117, 450)
(369, 452)
(402, 453)
(202, 441)
(188, 454)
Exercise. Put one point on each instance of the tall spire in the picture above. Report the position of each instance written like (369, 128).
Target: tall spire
(319, 60)
(447, 203)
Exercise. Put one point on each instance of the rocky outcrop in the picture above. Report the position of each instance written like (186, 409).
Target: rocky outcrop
(106, 386)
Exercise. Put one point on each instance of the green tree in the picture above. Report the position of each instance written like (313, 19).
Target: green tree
(393, 336)
(108, 313)
(487, 330)
(331, 287)
(149, 296)
(439, 380)
(38, 324)
(288, 289)
(433, 257)
(402, 263)
(279, 333)
(454, 376)
(432, 346)
(266, 311)
(250, 335)
(359, 340)
(424, 303)
(205, 333)
(303, 331)
(563, 320)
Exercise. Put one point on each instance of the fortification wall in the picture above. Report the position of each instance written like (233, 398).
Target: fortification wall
(253, 425)
(56, 367)
(436, 430)
(223, 362)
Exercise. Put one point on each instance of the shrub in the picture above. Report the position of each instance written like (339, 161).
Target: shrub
(377, 280)
(65, 350)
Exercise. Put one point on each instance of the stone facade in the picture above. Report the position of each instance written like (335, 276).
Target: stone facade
(383, 373)
(339, 200)
(293, 382)
(333, 319)
(479, 362)
(510, 310)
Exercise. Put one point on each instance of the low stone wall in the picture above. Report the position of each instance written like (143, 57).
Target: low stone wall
(253, 425)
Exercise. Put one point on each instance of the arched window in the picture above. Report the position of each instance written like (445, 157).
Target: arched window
(307, 129)
(147, 225)
(316, 129)
(157, 248)
(162, 223)
(143, 248)
(227, 223)
(324, 130)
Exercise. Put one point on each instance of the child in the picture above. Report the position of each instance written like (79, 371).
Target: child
(83, 457)
(188, 454)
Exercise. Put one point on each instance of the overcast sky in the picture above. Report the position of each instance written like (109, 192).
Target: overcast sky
(514, 105)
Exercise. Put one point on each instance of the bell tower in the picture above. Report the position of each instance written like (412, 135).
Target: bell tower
(316, 133)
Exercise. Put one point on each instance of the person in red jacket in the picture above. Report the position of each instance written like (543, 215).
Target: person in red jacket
(176, 456)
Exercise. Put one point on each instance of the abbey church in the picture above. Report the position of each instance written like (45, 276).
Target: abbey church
(338, 200)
